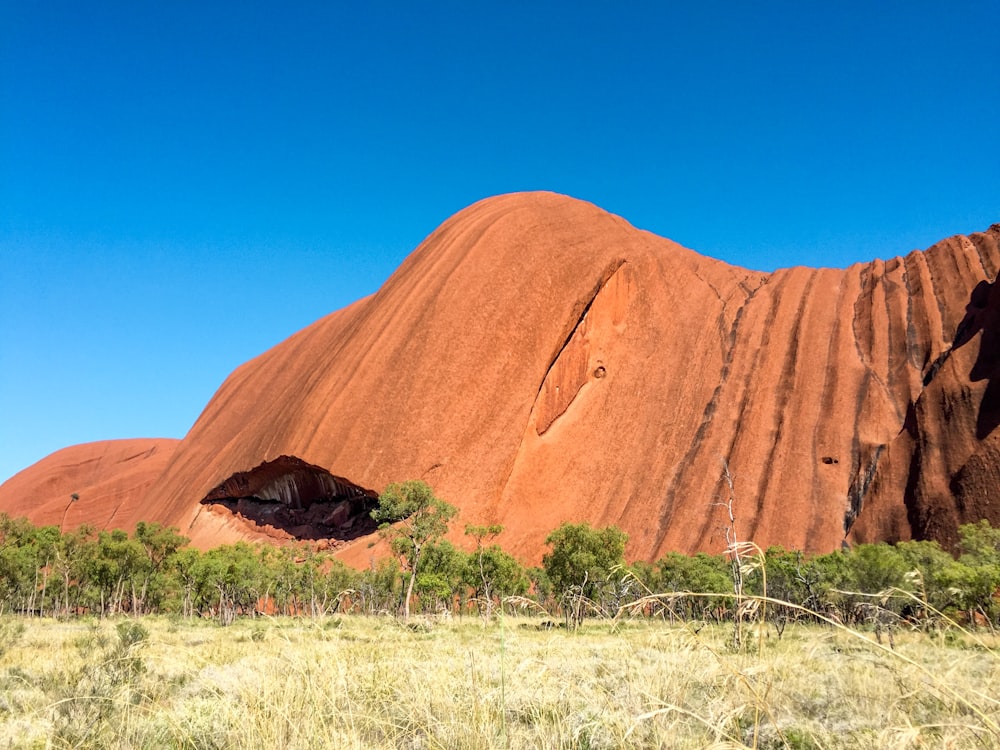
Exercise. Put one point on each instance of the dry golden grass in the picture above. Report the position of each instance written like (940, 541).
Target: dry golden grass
(356, 682)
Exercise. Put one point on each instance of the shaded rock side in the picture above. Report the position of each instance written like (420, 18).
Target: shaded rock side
(943, 468)
(110, 479)
(539, 360)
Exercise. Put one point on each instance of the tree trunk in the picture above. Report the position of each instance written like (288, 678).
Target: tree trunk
(409, 585)
(31, 597)
(45, 585)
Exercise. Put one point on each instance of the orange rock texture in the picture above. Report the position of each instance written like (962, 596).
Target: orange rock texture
(539, 360)
(109, 480)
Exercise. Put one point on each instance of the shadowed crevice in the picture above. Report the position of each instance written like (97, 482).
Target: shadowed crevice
(300, 499)
(583, 308)
(566, 375)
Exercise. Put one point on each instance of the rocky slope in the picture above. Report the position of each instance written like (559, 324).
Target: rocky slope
(537, 360)
(109, 479)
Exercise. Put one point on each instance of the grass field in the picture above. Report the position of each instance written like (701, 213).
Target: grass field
(357, 682)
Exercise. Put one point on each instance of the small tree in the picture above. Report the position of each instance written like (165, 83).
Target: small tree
(582, 561)
(409, 516)
(978, 574)
(159, 544)
(491, 571)
(703, 574)
(441, 578)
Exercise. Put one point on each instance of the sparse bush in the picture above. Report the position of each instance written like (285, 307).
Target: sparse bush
(582, 566)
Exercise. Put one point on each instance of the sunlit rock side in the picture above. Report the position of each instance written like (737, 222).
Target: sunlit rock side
(538, 360)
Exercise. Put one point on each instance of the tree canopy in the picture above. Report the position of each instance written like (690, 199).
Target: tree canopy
(410, 515)
(583, 560)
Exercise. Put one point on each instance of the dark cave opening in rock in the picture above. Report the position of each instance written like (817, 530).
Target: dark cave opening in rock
(302, 500)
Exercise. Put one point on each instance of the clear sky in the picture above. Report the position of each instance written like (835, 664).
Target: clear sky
(183, 185)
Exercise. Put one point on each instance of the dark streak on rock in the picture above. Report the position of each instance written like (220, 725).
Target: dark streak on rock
(748, 381)
(981, 241)
(862, 309)
(859, 486)
(708, 412)
(786, 386)
(949, 317)
(897, 383)
(916, 354)
(831, 380)
(859, 401)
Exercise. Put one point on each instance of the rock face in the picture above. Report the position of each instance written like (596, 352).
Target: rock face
(109, 478)
(538, 360)
(944, 465)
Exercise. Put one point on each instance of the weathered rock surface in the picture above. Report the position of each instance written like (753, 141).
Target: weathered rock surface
(943, 468)
(538, 360)
(109, 478)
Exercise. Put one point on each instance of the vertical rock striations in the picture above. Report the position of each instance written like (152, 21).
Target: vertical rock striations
(538, 360)
(943, 467)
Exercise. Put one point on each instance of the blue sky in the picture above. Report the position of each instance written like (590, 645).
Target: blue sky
(182, 187)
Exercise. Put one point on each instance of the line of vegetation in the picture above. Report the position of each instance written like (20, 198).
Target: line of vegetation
(45, 572)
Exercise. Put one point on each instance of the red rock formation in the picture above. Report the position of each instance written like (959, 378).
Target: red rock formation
(538, 360)
(943, 468)
(109, 479)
